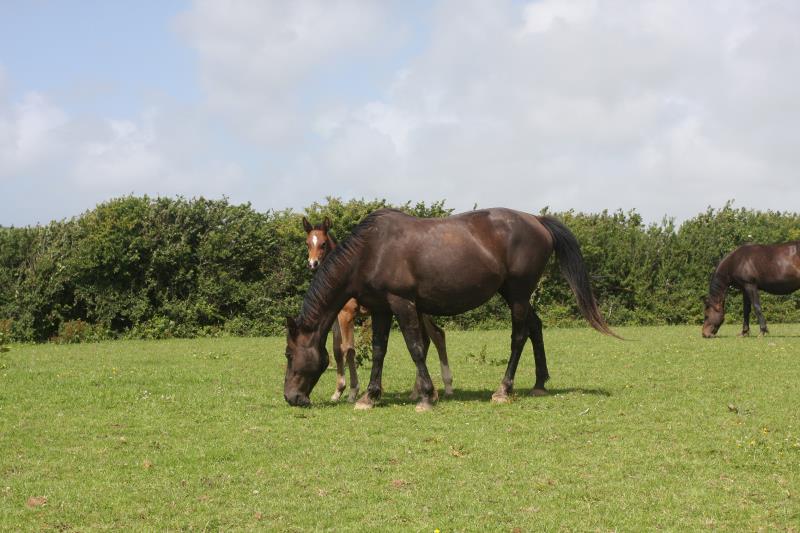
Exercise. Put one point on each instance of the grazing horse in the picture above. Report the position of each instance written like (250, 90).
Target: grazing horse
(402, 265)
(772, 268)
(320, 242)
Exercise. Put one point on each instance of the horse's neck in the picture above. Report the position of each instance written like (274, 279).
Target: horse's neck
(719, 284)
(327, 296)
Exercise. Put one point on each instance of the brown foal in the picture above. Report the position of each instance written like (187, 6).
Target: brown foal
(320, 242)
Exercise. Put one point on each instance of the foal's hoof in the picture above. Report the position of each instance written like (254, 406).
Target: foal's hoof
(336, 396)
(364, 403)
(423, 407)
(448, 390)
(500, 397)
(744, 334)
(539, 392)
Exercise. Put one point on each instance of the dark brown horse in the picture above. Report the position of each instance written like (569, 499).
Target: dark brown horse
(320, 242)
(398, 264)
(771, 268)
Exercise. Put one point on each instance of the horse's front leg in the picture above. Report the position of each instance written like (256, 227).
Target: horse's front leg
(746, 315)
(381, 323)
(339, 357)
(410, 323)
(752, 292)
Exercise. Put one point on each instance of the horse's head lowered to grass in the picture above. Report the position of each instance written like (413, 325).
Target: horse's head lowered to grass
(306, 360)
(713, 317)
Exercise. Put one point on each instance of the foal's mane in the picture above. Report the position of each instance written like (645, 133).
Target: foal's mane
(335, 266)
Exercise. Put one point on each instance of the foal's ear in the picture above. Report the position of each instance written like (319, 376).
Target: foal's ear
(326, 224)
(307, 225)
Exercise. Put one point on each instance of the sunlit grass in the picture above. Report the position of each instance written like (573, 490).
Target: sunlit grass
(664, 430)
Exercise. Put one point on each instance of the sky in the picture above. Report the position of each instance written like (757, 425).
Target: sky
(662, 106)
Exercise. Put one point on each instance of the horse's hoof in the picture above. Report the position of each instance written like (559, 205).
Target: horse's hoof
(744, 334)
(500, 397)
(539, 392)
(364, 403)
(448, 390)
(336, 396)
(423, 406)
(353, 395)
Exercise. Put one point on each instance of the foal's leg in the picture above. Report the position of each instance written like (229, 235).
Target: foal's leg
(520, 329)
(381, 323)
(746, 317)
(338, 356)
(752, 292)
(538, 354)
(347, 321)
(437, 336)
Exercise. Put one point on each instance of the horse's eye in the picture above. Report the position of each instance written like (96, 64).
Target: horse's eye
(324, 245)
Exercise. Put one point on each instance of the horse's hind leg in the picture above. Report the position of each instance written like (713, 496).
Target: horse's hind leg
(537, 339)
(752, 293)
(438, 337)
(746, 316)
(338, 356)
(520, 320)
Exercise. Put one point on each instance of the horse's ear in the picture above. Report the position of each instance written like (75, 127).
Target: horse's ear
(307, 225)
(291, 326)
(326, 224)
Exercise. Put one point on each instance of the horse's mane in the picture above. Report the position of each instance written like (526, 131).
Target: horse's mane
(334, 268)
(719, 283)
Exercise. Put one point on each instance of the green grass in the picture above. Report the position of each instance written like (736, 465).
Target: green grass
(663, 431)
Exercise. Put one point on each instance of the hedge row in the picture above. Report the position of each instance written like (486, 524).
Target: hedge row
(155, 267)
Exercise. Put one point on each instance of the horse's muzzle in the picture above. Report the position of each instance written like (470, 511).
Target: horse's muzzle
(297, 399)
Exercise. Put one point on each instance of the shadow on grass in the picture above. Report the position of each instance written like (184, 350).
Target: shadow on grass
(468, 395)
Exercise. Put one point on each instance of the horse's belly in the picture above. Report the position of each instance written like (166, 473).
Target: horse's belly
(448, 297)
(782, 287)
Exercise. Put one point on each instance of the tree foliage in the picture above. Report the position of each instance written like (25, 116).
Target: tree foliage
(156, 267)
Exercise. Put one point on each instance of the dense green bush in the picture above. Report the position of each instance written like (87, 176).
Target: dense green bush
(156, 268)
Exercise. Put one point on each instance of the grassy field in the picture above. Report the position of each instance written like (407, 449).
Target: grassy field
(662, 431)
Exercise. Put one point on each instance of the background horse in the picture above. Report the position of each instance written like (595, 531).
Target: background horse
(771, 268)
(320, 242)
(402, 265)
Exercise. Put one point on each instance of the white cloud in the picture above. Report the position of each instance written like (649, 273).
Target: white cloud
(661, 106)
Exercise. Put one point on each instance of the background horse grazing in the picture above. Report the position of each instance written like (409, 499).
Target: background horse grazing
(402, 265)
(771, 268)
(320, 242)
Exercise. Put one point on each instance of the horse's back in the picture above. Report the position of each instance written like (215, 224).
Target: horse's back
(461, 260)
(774, 268)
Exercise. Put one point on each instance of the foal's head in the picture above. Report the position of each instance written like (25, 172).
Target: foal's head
(306, 361)
(318, 240)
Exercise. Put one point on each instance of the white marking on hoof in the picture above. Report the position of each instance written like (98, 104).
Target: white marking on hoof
(364, 403)
(448, 390)
(336, 396)
(423, 407)
(500, 397)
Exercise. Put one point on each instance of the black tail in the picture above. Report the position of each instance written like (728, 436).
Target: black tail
(570, 259)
